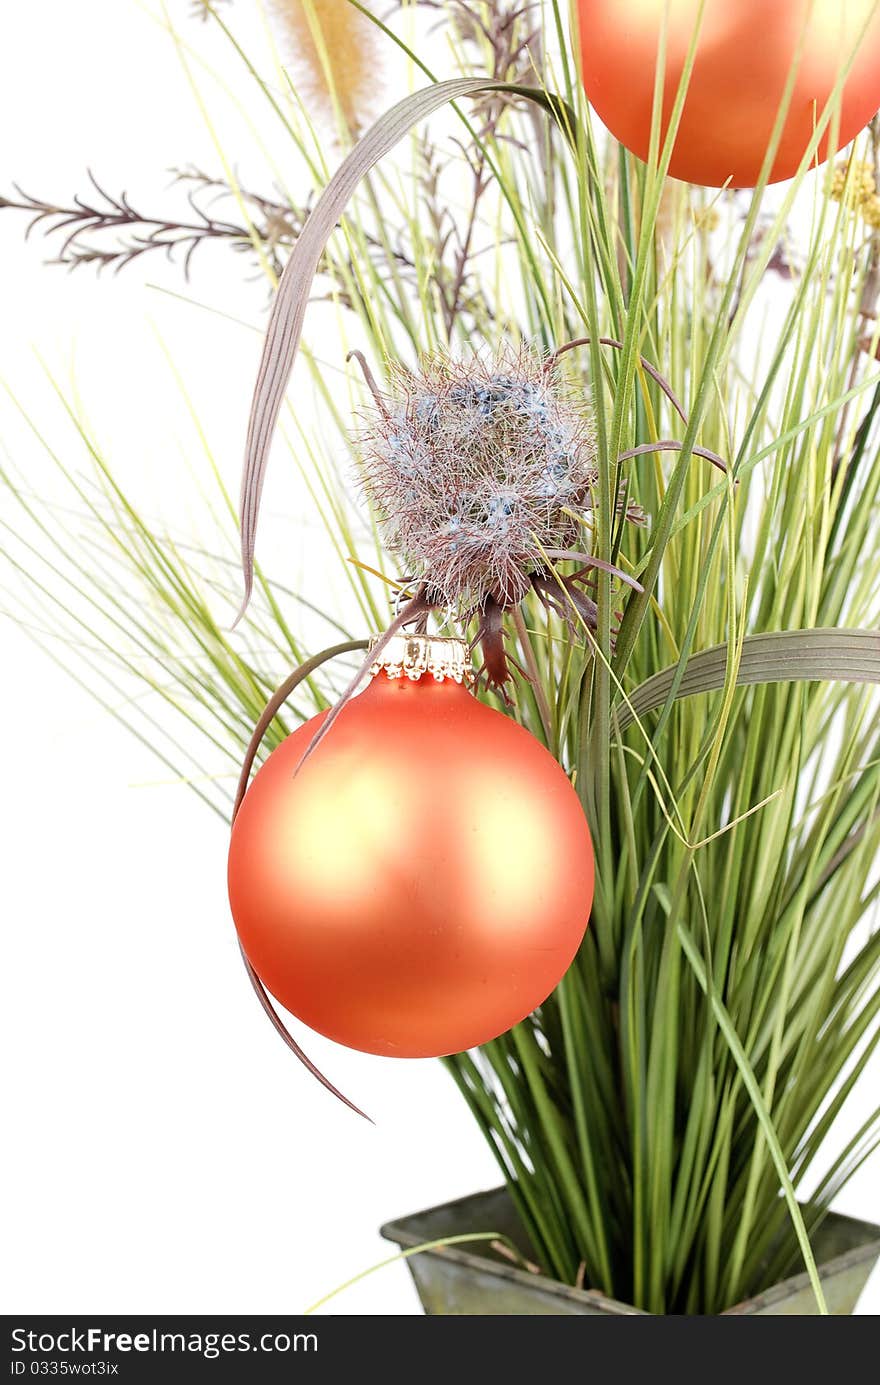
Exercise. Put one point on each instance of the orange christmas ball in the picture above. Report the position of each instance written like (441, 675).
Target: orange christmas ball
(745, 52)
(425, 880)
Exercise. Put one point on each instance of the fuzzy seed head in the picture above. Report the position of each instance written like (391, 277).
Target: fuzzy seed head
(475, 468)
(335, 53)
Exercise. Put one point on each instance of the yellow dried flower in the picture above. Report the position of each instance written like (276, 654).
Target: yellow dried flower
(860, 186)
(706, 218)
(334, 50)
(870, 210)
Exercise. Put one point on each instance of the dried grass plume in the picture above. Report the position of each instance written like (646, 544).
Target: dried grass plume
(335, 53)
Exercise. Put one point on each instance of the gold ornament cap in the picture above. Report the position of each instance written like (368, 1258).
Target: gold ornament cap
(409, 656)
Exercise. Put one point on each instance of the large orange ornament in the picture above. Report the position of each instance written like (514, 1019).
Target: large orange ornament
(425, 879)
(745, 51)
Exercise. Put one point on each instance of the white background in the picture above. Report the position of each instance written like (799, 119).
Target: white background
(163, 1151)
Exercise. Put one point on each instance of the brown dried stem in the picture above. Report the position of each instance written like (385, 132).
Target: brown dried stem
(273, 706)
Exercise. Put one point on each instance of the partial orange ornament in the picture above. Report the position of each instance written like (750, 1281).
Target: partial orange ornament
(745, 51)
(425, 880)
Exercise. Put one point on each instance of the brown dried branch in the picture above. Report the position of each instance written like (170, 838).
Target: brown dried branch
(501, 42)
(134, 233)
(86, 225)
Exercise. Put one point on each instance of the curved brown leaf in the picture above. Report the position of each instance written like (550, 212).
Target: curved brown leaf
(270, 711)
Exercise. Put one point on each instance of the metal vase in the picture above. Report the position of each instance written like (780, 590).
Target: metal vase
(474, 1280)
